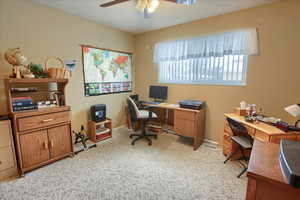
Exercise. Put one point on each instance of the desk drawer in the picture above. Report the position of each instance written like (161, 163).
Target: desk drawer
(184, 127)
(40, 121)
(185, 115)
(259, 135)
(227, 128)
(251, 131)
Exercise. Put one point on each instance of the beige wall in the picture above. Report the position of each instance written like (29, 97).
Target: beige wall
(42, 32)
(273, 77)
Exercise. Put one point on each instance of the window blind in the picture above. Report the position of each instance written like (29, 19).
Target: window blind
(225, 70)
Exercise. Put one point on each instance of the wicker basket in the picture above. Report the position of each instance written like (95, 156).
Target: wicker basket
(56, 71)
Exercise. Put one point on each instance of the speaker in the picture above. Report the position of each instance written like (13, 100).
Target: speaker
(98, 112)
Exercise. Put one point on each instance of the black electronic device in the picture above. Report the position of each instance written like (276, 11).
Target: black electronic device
(135, 97)
(158, 93)
(191, 104)
(290, 161)
(98, 112)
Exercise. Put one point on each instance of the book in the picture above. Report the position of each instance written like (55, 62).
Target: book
(22, 108)
(18, 90)
(22, 99)
(24, 103)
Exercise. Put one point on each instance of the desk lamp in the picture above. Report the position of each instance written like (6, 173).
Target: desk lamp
(293, 110)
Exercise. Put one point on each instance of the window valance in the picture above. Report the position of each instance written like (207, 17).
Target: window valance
(238, 42)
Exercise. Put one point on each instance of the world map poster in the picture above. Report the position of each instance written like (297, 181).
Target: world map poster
(106, 71)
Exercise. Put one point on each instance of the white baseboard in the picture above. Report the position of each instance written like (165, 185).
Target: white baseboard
(119, 127)
(211, 143)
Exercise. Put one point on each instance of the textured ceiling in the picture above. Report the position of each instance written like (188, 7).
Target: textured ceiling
(125, 17)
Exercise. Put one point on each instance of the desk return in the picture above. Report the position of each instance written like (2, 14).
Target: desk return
(259, 131)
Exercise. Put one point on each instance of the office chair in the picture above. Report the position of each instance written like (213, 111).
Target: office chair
(242, 139)
(143, 116)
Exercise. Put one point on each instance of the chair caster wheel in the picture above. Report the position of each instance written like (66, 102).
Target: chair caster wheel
(132, 143)
(130, 136)
(155, 137)
(149, 143)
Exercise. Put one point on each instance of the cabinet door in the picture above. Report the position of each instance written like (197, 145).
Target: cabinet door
(5, 134)
(34, 148)
(60, 141)
(6, 158)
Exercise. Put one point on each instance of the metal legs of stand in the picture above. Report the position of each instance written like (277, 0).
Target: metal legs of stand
(245, 167)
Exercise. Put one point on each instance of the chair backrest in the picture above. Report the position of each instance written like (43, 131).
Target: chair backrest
(133, 109)
(238, 129)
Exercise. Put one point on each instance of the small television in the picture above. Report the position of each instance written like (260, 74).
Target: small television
(158, 93)
(98, 113)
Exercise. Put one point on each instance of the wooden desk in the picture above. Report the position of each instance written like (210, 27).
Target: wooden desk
(265, 180)
(259, 131)
(185, 122)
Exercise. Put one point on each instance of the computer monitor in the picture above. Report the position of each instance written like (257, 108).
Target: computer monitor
(158, 92)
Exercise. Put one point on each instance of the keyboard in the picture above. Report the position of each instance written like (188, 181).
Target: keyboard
(150, 102)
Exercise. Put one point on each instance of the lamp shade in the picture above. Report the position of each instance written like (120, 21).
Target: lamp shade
(293, 110)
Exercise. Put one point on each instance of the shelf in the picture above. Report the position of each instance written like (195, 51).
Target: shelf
(103, 137)
(103, 122)
(35, 80)
(26, 113)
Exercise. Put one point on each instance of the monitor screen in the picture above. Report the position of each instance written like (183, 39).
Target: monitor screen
(158, 92)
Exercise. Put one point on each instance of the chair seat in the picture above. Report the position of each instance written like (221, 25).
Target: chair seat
(143, 114)
(243, 141)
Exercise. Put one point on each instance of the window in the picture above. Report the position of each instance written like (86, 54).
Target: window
(219, 59)
(226, 70)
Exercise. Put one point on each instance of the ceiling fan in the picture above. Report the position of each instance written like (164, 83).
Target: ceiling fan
(147, 6)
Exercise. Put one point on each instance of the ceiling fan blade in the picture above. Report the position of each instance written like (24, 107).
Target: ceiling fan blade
(111, 3)
(173, 1)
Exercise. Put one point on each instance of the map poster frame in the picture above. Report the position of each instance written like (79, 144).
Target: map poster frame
(106, 71)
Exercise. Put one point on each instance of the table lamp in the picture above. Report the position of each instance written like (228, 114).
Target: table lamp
(293, 110)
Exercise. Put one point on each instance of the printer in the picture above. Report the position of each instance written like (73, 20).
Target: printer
(290, 161)
(192, 104)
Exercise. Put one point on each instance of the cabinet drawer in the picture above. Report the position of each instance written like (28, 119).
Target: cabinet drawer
(251, 131)
(185, 115)
(259, 135)
(5, 134)
(227, 128)
(40, 121)
(184, 127)
(6, 158)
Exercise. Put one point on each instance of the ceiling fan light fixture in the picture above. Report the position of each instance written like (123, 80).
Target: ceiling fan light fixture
(147, 6)
(153, 6)
(186, 2)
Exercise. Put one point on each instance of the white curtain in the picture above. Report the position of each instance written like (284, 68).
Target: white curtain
(238, 42)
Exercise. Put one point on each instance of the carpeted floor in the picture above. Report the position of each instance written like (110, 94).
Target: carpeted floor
(115, 170)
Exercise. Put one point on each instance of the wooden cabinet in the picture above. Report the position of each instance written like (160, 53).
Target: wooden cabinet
(43, 135)
(34, 148)
(190, 123)
(8, 165)
(40, 145)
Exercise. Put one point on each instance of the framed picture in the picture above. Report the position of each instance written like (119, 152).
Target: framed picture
(106, 71)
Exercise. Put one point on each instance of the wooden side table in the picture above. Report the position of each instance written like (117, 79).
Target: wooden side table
(100, 131)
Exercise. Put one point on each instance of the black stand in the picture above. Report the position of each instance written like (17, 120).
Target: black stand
(81, 137)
